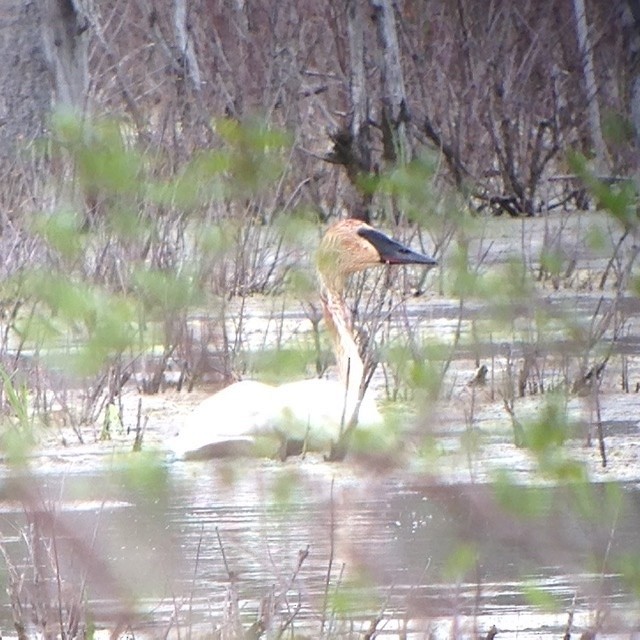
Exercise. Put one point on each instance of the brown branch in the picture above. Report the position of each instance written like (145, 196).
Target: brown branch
(450, 154)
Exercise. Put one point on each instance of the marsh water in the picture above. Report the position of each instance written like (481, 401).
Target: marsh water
(437, 544)
(196, 545)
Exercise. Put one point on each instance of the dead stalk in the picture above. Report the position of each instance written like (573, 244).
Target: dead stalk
(327, 580)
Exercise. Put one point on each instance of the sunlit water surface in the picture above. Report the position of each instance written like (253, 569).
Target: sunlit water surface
(329, 550)
(196, 546)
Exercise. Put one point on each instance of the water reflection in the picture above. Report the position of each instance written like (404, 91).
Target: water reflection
(187, 545)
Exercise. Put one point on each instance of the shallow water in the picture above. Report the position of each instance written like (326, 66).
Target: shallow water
(176, 550)
(325, 549)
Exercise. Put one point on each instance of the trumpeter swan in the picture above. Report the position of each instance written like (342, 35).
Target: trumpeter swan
(250, 417)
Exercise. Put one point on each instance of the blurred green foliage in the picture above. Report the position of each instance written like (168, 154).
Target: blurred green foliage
(542, 599)
(144, 476)
(461, 563)
(146, 251)
(280, 365)
(619, 197)
(354, 597)
(140, 241)
(17, 436)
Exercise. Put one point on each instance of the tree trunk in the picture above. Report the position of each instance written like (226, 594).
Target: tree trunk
(185, 43)
(360, 137)
(395, 114)
(591, 87)
(359, 126)
(64, 29)
(25, 99)
(634, 66)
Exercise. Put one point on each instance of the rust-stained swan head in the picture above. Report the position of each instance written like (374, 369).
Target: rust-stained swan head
(351, 245)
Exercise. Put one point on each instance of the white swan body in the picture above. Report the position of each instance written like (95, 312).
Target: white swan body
(227, 422)
(313, 410)
(254, 418)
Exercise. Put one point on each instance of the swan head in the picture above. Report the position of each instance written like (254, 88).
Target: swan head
(351, 245)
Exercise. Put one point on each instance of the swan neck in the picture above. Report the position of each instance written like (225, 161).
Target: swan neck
(350, 365)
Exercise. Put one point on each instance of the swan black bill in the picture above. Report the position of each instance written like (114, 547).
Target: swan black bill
(394, 252)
